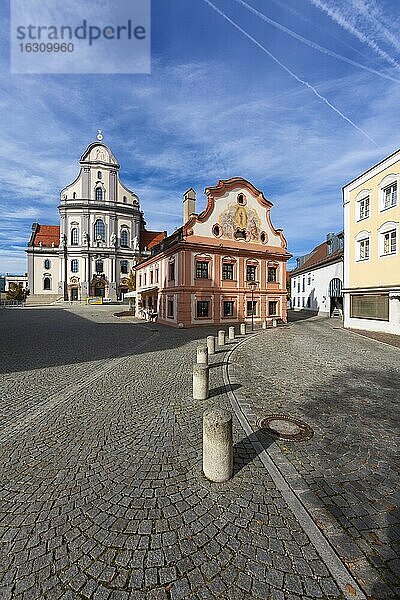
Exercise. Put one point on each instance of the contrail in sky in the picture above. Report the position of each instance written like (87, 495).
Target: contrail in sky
(313, 45)
(339, 18)
(291, 73)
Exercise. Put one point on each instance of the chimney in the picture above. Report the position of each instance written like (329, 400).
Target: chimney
(189, 204)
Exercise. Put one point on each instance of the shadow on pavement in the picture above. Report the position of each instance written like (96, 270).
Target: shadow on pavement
(380, 589)
(36, 339)
(245, 451)
(300, 315)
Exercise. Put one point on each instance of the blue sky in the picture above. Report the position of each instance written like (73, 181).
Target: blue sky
(243, 97)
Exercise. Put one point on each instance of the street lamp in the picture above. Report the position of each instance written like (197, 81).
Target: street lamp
(252, 286)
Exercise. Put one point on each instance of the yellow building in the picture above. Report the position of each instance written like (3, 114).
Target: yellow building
(371, 259)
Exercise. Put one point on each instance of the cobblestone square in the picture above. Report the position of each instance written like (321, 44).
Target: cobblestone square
(102, 492)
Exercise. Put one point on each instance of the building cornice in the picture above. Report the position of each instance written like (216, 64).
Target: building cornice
(85, 204)
(378, 288)
(372, 171)
(210, 248)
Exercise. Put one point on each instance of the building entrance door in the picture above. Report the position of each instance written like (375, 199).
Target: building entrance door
(74, 294)
(99, 291)
(335, 297)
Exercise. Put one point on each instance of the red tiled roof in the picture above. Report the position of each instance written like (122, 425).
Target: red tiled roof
(318, 256)
(148, 239)
(47, 235)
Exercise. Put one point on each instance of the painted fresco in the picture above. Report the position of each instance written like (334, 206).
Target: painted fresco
(240, 222)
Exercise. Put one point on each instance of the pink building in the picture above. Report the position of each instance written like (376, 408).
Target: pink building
(223, 266)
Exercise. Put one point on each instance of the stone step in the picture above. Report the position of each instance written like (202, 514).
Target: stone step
(41, 299)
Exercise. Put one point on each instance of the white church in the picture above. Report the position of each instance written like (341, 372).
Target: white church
(99, 239)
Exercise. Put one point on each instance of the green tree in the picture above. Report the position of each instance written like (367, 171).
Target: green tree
(16, 292)
(132, 281)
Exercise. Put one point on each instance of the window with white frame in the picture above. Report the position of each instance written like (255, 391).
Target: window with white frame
(389, 195)
(389, 242)
(363, 249)
(363, 208)
(74, 236)
(124, 238)
(388, 238)
(74, 265)
(99, 230)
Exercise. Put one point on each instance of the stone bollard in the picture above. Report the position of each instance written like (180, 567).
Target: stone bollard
(211, 344)
(202, 355)
(242, 328)
(274, 323)
(221, 337)
(201, 380)
(264, 324)
(231, 332)
(217, 445)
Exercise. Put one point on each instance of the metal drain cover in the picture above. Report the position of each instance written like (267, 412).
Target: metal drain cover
(286, 428)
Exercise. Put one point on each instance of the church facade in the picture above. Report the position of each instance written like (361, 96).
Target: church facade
(99, 239)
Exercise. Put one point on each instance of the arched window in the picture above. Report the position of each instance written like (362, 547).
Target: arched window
(74, 236)
(47, 264)
(74, 265)
(74, 195)
(47, 283)
(99, 193)
(99, 266)
(124, 238)
(124, 267)
(99, 230)
(99, 175)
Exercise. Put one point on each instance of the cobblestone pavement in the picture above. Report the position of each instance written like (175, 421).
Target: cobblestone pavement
(101, 490)
(346, 387)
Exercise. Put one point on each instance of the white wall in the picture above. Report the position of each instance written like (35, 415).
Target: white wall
(318, 288)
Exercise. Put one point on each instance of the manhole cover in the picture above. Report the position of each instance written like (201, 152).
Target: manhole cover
(286, 428)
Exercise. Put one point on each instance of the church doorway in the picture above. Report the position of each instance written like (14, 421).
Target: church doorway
(99, 291)
(74, 294)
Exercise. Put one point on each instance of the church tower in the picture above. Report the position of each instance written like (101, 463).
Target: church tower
(100, 237)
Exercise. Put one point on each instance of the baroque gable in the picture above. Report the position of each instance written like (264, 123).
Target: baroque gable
(238, 212)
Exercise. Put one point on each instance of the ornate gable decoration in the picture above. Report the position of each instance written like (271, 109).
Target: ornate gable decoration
(233, 207)
(97, 152)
